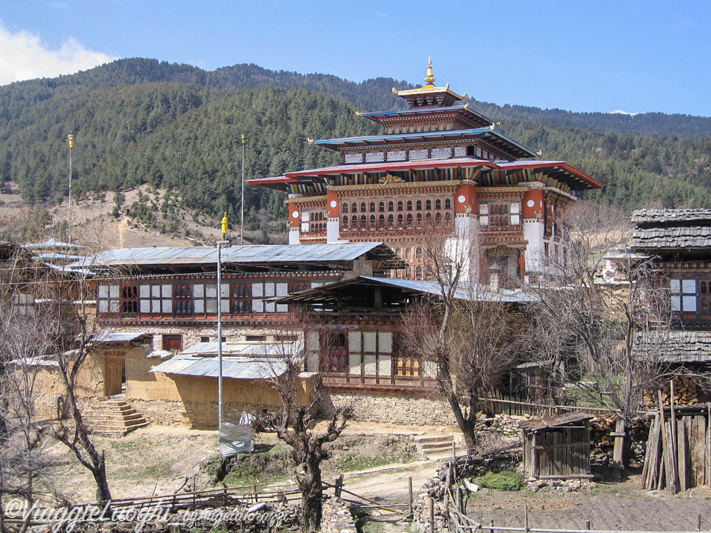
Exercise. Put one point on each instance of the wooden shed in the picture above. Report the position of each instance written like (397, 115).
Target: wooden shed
(557, 448)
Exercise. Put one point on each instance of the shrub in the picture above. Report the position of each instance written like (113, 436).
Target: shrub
(504, 480)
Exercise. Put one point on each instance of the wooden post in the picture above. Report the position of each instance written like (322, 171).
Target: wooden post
(665, 467)
(698, 523)
(448, 485)
(682, 451)
(587, 525)
(618, 450)
(525, 519)
(338, 486)
(409, 496)
(432, 526)
(707, 462)
(675, 436)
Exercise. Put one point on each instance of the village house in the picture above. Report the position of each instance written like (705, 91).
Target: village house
(156, 313)
(679, 240)
(354, 340)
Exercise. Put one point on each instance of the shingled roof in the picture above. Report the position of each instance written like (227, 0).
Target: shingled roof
(666, 217)
(679, 346)
(671, 229)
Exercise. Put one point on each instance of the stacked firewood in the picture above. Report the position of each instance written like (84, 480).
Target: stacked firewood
(685, 393)
(601, 428)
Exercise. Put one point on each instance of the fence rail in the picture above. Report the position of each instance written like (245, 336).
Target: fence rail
(501, 406)
(181, 501)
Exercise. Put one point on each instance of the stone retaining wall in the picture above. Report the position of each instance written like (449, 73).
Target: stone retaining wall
(374, 407)
(336, 517)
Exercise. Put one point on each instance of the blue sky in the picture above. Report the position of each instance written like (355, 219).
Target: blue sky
(636, 56)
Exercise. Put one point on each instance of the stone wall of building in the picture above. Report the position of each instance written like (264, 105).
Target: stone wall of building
(393, 409)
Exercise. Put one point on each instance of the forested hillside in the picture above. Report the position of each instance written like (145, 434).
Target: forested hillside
(178, 127)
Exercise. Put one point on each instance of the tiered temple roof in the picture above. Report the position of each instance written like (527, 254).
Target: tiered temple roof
(437, 139)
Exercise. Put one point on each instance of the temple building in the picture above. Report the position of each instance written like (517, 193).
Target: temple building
(439, 166)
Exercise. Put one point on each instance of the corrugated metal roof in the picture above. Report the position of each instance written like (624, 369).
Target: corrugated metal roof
(51, 243)
(115, 337)
(256, 254)
(45, 256)
(465, 291)
(239, 361)
(244, 349)
(232, 367)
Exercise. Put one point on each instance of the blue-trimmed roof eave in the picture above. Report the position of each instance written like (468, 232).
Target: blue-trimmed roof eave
(425, 110)
(427, 135)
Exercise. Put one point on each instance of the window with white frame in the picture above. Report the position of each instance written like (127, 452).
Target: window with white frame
(684, 294)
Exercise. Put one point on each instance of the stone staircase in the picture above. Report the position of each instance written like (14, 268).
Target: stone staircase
(436, 447)
(113, 417)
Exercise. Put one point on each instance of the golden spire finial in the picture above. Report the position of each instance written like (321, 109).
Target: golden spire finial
(430, 78)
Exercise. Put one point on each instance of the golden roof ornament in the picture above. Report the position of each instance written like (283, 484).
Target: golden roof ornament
(429, 95)
(430, 78)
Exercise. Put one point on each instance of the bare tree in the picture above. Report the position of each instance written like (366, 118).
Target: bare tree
(614, 330)
(470, 332)
(73, 346)
(295, 423)
(57, 320)
(24, 465)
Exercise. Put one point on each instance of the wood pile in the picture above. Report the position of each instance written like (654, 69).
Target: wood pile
(678, 453)
(601, 430)
(685, 393)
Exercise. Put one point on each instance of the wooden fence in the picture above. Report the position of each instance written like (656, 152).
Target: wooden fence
(171, 503)
(504, 406)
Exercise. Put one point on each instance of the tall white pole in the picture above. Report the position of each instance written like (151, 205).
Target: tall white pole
(220, 397)
(219, 335)
(69, 205)
(241, 222)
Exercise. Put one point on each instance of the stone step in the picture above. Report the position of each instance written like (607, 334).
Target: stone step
(440, 455)
(433, 438)
(435, 447)
(121, 427)
(114, 418)
(105, 415)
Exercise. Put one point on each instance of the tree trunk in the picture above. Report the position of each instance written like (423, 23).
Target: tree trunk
(103, 494)
(311, 493)
(466, 424)
(96, 463)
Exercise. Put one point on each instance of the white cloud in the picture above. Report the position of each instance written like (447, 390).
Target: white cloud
(23, 57)
(621, 112)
